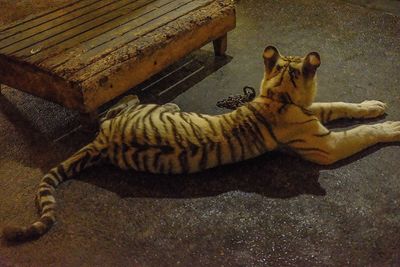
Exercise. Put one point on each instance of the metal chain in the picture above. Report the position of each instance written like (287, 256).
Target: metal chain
(235, 101)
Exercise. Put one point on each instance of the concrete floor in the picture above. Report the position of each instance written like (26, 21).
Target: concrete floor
(275, 210)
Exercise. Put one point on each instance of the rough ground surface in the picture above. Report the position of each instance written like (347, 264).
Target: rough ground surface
(275, 210)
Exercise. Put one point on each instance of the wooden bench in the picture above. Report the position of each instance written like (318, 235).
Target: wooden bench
(85, 53)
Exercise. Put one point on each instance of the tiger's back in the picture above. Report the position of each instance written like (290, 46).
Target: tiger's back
(153, 138)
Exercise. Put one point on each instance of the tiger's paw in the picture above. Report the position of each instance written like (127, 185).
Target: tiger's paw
(390, 131)
(370, 109)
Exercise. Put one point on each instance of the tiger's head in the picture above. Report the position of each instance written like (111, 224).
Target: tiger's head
(290, 79)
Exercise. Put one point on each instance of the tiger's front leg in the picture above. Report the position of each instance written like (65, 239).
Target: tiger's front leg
(327, 112)
(322, 146)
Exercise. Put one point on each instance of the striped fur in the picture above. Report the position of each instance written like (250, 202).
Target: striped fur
(162, 139)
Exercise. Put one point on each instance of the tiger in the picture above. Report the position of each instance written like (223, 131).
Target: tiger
(162, 139)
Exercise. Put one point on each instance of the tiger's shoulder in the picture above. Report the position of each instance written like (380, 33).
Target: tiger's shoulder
(279, 113)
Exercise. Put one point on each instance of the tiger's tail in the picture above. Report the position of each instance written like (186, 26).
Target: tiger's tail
(45, 200)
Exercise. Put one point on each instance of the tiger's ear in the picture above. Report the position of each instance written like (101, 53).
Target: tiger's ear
(271, 56)
(311, 64)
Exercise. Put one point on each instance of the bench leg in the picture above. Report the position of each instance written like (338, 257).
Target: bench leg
(220, 45)
(89, 121)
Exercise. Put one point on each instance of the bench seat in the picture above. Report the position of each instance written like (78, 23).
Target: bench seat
(85, 53)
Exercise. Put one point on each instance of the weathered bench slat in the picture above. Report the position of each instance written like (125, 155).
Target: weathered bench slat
(58, 35)
(147, 25)
(68, 49)
(100, 35)
(88, 52)
(37, 20)
(54, 26)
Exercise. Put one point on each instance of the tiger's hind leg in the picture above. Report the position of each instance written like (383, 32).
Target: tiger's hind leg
(172, 107)
(327, 112)
(123, 106)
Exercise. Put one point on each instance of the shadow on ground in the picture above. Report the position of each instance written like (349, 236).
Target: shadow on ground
(177, 78)
(266, 175)
(262, 175)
